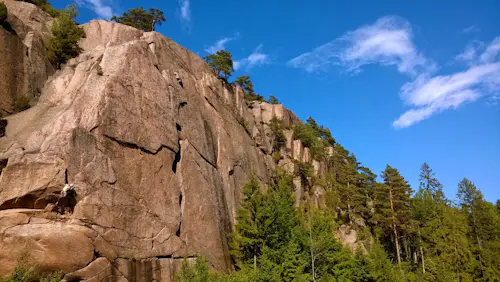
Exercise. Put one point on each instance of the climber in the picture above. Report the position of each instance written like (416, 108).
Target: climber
(68, 194)
(67, 190)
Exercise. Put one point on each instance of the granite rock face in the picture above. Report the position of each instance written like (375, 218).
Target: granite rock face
(24, 67)
(154, 144)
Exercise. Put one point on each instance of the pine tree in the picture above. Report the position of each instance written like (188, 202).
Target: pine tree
(245, 83)
(221, 63)
(366, 182)
(351, 195)
(393, 206)
(140, 19)
(273, 100)
(427, 209)
(64, 44)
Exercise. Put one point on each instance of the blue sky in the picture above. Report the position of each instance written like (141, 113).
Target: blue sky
(397, 82)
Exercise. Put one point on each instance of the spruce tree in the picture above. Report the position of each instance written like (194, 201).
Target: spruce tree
(248, 239)
(484, 229)
(430, 184)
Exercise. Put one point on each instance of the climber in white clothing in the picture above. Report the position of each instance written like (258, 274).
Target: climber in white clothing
(68, 195)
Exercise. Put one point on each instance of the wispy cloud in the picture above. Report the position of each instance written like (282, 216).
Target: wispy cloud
(97, 6)
(220, 44)
(432, 95)
(256, 58)
(185, 11)
(387, 42)
(471, 29)
(478, 52)
(470, 53)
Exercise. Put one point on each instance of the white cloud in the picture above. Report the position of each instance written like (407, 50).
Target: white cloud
(387, 42)
(479, 52)
(220, 44)
(436, 94)
(469, 55)
(471, 29)
(185, 10)
(98, 6)
(492, 52)
(256, 58)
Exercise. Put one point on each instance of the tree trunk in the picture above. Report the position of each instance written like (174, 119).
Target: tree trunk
(311, 246)
(479, 243)
(407, 249)
(421, 250)
(398, 251)
(349, 206)
(255, 256)
(458, 260)
(153, 25)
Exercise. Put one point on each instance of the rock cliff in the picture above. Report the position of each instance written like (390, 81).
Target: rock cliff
(158, 149)
(24, 66)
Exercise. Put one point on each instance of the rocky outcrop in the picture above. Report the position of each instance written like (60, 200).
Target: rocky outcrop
(158, 149)
(24, 67)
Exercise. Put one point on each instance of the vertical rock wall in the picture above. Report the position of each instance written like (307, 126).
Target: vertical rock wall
(156, 148)
(24, 66)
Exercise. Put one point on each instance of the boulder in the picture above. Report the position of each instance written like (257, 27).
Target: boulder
(49, 246)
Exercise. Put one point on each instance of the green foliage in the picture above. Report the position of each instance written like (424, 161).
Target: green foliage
(23, 272)
(429, 184)
(3, 13)
(21, 103)
(283, 244)
(273, 100)
(315, 137)
(419, 238)
(310, 139)
(221, 63)
(276, 157)
(392, 208)
(321, 132)
(247, 241)
(141, 19)
(251, 97)
(279, 140)
(64, 44)
(197, 272)
(53, 277)
(305, 171)
(246, 84)
(45, 6)
(484, 232)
